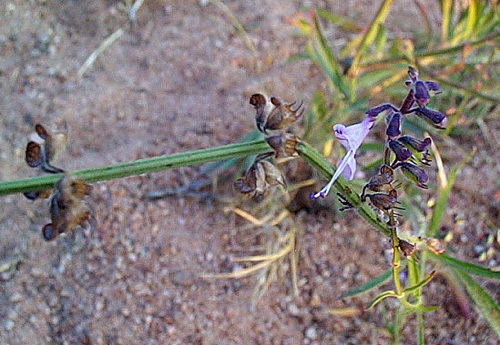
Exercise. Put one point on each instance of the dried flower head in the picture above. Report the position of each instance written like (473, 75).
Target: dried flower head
(283, 144)
(382, 182)
(279, 117)
(406, 247)
(67, 207)
(259, 178)
(384, 201)
(44, 148)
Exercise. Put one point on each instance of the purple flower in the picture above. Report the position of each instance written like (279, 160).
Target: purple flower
(351, 138)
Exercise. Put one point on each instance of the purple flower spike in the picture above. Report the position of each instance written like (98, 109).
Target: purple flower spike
(402, 152)
(351, 138)
(393, 127)
(438, 119)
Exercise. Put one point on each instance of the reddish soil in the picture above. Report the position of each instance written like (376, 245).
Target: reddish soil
(179, 80)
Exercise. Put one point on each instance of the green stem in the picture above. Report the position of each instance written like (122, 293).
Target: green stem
(141, 166)
(324, 168)
(395, 254)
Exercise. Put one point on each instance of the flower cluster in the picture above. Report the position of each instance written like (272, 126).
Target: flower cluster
(67, 206)
(407, 151)
(271, 115)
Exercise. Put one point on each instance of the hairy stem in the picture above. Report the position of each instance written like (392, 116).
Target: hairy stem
(324, 168)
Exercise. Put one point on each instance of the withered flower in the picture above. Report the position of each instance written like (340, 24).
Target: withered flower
(384, 201)
(44, 148)
(259, 178)
(382, 182)
(67, 207)
(279, 117)
(406, 247)
(259, 102)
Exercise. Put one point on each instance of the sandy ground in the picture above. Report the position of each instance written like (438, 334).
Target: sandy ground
(180, 80)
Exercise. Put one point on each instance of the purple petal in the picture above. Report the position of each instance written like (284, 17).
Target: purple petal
(350, 168)
(352, 136)
(439, 119)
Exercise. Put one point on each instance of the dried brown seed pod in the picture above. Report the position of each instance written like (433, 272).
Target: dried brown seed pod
(259, 102)
(43, 149)
(259, 178)
(67, 207)
(406, 247)
(283, 114)
(283, 144)
(384, 201)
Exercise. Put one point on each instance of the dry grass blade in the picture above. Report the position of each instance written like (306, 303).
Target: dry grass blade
(95, 54)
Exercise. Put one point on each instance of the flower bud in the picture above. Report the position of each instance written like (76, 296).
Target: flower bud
(415, 174)
(373, 112)
(438, 119)
(394, 125)
(416, 144)
(400, 150)
(422, 95)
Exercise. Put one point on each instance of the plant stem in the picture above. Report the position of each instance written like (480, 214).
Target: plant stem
(395, 253)
(141, 166)
(323, 167)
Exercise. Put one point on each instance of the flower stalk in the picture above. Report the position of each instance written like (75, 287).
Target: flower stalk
(142, 166)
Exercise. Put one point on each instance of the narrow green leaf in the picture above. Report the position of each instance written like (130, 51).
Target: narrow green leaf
(371, 32)
(464, 266)
(442, 198)
(368, 285)
(472, 18)
(445, 19)
(486, 304)
(380, 297)
(343, 22)
(428, 309)
(420, 284)
(322, 55)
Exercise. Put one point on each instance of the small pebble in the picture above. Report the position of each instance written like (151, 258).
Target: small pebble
(311, 333)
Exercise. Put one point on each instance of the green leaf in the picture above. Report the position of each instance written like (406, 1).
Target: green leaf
(322, 55)
(380, 297)
(442, 199)
(419, 284)
(341, 21)
(486, 304)
(464, 266)
(368, 285)
(371, 32)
